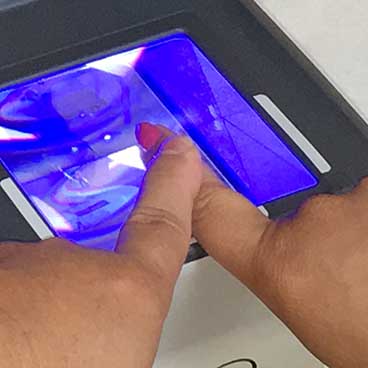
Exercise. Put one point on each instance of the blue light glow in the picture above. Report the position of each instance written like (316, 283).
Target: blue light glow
(68, 138)
(107, 137)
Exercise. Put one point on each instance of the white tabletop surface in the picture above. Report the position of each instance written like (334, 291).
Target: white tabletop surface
(214, 319)
(334, 35)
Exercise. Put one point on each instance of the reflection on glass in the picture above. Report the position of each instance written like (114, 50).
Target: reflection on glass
(68, 139)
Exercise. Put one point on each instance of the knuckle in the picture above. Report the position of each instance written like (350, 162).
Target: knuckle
(319, 201)
(211, 198)
(144, 294)
(157, 218)
(186, 153)
(285, 277)
(323, 204)
(7, 252)
(361, 188)
(273, 277)
(364, 183)
(152, 294)
(179, 144)
(57, 247)
(57, 243)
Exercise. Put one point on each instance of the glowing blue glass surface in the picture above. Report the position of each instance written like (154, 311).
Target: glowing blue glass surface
(68, 138)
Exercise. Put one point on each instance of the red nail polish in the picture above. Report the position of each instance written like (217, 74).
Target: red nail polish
(147, 135)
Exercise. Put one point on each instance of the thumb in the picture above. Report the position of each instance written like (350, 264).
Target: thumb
(157, 235)
(226, 224)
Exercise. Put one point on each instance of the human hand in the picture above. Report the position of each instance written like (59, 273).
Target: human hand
(63, 306)
(310, 270)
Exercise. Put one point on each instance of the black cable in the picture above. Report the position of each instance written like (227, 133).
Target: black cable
(250, 361)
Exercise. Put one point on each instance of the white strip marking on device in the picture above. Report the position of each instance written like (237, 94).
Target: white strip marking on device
(26, 209)
(294, 133)
(264, 211)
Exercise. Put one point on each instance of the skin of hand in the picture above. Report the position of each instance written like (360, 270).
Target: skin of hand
(63, 306)
(310, 270)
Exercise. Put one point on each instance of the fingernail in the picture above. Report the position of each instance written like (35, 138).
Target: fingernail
(177, 145)
(148, 135)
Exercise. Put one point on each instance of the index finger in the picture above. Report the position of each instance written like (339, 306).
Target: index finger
(156, 237)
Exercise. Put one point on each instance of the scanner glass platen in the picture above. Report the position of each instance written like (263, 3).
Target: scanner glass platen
(68, 138)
